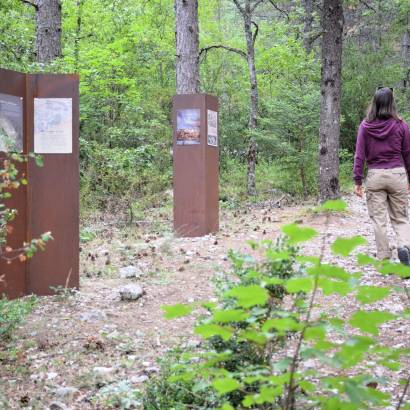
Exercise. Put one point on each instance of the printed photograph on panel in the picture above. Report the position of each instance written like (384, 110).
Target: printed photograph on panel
(11, 123)
(212, 128)
(188, 126)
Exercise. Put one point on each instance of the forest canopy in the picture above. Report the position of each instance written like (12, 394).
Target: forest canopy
(124, 51)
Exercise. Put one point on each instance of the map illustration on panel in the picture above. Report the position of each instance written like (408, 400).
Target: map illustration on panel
(11, 123)
(188, 126)
(53, 125)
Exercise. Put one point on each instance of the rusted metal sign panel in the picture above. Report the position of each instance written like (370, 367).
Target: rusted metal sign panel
(14, 274)
(196, 165)
(50, 202)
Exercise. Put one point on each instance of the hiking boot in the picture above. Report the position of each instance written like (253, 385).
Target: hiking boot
(404, 255)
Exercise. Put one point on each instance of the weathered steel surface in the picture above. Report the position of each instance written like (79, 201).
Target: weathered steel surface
(14, 275)
(50, 202)
(196, 173)
(54, 196)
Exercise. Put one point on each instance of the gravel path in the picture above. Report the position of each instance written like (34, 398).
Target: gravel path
(72, 344)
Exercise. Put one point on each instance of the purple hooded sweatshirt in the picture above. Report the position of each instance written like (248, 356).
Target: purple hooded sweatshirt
(382, 144)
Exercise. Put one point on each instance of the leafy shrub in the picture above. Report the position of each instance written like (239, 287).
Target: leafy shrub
(262, 330)
(10, 179)
(12, 313)
(346, 170)
(121, 174)
(119, 395)
(233, 353)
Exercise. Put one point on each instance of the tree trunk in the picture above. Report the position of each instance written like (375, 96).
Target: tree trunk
(253, 115)
(307, 25)
(332, 44)
(187, 46)
(78, 36)
(405, 53)
(48, 30)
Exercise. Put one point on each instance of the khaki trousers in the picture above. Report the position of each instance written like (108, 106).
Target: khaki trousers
(387, 192)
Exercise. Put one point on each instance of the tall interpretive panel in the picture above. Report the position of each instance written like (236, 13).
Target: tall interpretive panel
(196, 164)
(39, 113)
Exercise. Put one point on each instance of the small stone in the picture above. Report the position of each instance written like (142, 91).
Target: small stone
(103, 375)
(192, 344)
(151, 370)
(51, 375)
(57, 405)
(130, 272)
(138, 379)
(37, 377)
(63, 392)
(131, 292)
(93, 316)
(309, 363)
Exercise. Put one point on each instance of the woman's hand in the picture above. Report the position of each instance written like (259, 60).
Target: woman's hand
(358, 190)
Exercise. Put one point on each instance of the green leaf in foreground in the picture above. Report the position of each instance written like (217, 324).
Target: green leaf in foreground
(296, 285)
(226, 406)
(370, 294)
(363, 259)
(210, 330)
(248, 296)
(225, 385)
(344, 246)
(281, 324)
(298, 233)
(174, 311)
(336, 205)
(369, 321)
(233, 315)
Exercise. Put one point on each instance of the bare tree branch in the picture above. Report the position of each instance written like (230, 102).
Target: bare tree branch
(255, 34)
(30, 3)
(314, 37)
(240, 8)
(403, 396)
(253, 8)
(232, 49)
(367, 5)
(279, 9)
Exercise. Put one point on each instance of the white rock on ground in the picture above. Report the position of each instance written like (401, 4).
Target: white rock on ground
(130, 272)
(131, 292)
(65, 392)
(93, 316)
(103, 374)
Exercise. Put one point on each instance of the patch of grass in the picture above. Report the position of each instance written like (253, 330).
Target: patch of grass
(12, 314)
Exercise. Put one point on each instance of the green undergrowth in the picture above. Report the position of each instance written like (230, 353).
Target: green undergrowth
(130, 181)
(261, 332)
(13, 313)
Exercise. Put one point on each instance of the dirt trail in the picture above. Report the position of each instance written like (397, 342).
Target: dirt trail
(67, 337)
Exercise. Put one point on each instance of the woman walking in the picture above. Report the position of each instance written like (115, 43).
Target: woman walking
(383, 142)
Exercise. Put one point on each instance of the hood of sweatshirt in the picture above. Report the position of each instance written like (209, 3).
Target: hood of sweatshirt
(380, 129)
